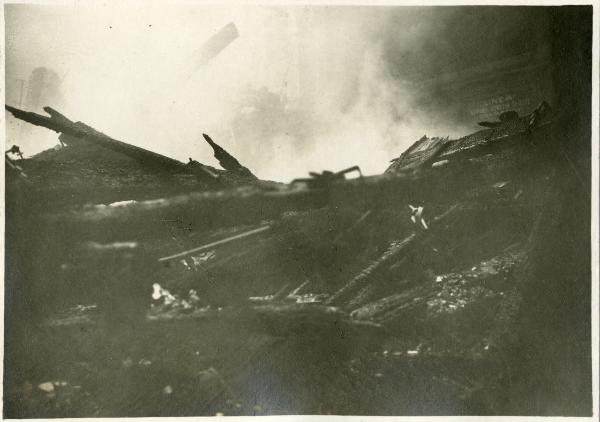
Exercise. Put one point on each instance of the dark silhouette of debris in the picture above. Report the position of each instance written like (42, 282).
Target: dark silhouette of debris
(382, 285)
(228, 161)
(15, 150)
(78, 132)
(323, 180)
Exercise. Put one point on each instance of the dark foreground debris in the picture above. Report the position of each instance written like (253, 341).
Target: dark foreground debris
(391, 294)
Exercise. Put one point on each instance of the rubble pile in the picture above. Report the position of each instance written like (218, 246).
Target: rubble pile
(164, 288)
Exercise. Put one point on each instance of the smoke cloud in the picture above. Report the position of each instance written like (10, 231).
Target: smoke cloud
(301, 89)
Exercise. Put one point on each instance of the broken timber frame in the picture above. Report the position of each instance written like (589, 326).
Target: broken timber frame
(80, 132)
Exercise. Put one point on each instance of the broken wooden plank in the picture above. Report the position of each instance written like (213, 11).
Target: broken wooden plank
(214, 244)
(368, 274)
(365, 276)
(228, 161)
(385, 308)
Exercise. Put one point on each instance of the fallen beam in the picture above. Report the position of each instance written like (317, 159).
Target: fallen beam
(362, 279)
(369, 273)
(214, 244)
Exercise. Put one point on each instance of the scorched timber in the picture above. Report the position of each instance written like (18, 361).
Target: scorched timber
(77, 132)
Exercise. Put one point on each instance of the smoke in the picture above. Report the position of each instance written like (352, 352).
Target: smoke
(380, 122)
(302, 88)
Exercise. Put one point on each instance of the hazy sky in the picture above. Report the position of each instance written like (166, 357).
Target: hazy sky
(338, 78)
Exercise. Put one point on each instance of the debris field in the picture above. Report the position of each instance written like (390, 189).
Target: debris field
(138, 285)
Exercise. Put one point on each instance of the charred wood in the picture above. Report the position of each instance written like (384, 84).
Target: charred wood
(369, 274)
(80, 132)
(228, 161)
